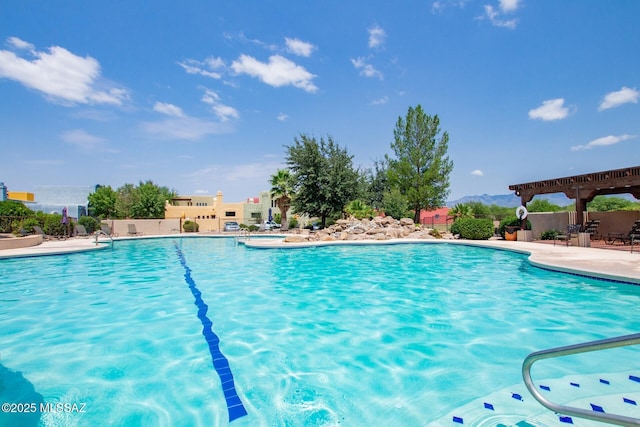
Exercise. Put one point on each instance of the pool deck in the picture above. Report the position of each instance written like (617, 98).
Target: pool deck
(602, 263)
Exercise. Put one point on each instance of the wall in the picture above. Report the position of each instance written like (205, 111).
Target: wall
(148, 227)
(610, 222)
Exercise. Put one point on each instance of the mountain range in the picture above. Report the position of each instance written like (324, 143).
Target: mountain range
(510, 200)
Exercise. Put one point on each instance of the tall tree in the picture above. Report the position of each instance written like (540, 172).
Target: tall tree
(102, 202)
(282, 191)
(324, 175)
(376, 184)
(421, 167)
(150, 200)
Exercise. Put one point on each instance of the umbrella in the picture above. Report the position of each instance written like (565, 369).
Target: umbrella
(270, 215)
(65, 220)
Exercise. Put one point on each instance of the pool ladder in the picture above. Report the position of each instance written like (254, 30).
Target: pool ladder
(622, 341)
(243, 235)
(100, 232)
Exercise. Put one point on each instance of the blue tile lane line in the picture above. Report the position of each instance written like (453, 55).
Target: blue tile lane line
(220, 363)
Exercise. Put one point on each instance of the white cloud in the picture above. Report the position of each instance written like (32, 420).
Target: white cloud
(184, 128)
(298, 47)
(477, 172)
(224, 112)
(603, 142)
(366, 70)
(279, 71)
(210, 67)
(85, 141)
(380, 101)
(552, 109)
(282, 117)
(508, 6)
(623, 96)
(17, 43)
(59, 74)
(439, 5)
(495, 16)
(168, 109)
(376, 36)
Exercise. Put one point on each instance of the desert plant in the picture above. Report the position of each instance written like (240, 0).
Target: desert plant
(549, 234)
(475, 228)
(512, 221)
(190, 226)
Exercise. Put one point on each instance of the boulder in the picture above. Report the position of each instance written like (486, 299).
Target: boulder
(295, 239)
(406, 221)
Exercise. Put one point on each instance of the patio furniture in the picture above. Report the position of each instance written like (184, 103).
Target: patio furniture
(624, 238)
(132, 230)
(38, 230)
(591, 227)
(570, 233)
(81, 231)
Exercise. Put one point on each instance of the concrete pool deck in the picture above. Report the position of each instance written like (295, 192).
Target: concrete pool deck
(600, 263)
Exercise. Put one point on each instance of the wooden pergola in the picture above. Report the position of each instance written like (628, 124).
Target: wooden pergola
(583, 188)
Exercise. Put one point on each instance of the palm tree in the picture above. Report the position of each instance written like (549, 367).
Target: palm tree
(282, 191)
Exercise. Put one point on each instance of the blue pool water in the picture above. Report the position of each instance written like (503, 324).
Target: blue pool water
(395, 335)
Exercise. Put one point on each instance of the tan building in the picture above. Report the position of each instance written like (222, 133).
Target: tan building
(212, 212)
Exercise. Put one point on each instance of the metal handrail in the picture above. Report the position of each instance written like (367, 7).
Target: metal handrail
(622, 341)
(99, 232)
(242, 233)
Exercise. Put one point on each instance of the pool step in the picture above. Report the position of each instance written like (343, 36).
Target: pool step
(615, 393)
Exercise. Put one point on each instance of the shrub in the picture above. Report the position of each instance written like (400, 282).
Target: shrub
(89, 223)
(435, 233)
(475, 228)
(549, 234)
(455, 227)
(253, 227)
(190, 226)
(511, 221)
(293, 223)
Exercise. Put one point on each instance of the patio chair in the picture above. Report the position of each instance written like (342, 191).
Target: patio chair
(38, 230)
(132, 230)
(80, 231)
(571, 232)
(591, 227)
(624, 238)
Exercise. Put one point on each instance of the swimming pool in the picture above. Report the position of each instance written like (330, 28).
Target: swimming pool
(396, 335)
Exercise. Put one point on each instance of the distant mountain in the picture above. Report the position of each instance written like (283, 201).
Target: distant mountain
(510, 200)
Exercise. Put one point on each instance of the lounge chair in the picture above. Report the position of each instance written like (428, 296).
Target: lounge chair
(571, 232)
(624, 238)
(81, 231)
(591, 227)
(106, 229)
(132, 230)
(38, 230)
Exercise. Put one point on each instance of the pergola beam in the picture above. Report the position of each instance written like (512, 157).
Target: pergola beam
(583, 188)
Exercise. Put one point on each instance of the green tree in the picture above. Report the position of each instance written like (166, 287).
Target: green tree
(325, 179)
(376, 184)
(421, 167)
(102, 202)
(125, 199)
(282, 185)
(611, 203)
(395, 204)
(149, 200)
(14, 208)
(542, 205)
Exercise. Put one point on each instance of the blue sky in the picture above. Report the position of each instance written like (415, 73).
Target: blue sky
(202, 96)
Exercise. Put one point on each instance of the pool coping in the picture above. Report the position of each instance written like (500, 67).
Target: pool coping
(591, 262)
